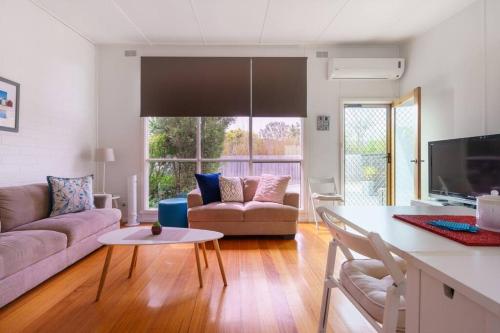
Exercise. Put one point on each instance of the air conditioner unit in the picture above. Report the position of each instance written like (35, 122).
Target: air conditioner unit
(366, 68)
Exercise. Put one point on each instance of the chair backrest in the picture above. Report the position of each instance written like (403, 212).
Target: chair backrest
(315, 183)
(357, 243)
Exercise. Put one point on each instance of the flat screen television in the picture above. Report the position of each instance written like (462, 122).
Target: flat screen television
(462, 169)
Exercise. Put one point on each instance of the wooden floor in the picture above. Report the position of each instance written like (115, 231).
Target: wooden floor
(274, 285)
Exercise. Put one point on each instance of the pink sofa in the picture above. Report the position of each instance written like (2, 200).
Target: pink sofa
(247, 218)
(34, 246)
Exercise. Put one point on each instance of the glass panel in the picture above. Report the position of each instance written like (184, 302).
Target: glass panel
(229, 169)
(171, 137)
(276, 138)
(405, 145)
(169, 180)
(283, 169)
(365, 164)
(224, 137)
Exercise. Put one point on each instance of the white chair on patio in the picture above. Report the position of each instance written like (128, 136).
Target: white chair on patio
(375, 286)
(323, 190)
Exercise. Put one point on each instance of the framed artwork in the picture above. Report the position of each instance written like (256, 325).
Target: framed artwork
(9, 105)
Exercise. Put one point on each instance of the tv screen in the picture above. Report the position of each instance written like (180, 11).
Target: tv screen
(464, 168)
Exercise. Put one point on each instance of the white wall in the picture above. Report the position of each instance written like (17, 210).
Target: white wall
(119, 102)
(457, 65)
(56, 70)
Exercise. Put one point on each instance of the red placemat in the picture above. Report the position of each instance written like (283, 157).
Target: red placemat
(481, 238)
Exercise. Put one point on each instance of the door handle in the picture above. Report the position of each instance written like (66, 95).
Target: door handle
(416, 161)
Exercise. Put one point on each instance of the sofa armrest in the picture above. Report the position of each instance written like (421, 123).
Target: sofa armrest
(194, 199)
(291, 199)
(102, 201)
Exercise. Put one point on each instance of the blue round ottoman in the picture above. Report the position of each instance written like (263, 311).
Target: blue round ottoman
(173, 212)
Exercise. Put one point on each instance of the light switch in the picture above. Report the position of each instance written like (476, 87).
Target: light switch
(323, 123)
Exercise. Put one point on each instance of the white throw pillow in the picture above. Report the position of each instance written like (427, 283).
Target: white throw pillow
(231, 189)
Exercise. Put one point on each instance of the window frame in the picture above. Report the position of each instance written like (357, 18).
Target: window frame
(199, 159)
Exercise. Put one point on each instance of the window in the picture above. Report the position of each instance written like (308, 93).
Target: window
(177, 147)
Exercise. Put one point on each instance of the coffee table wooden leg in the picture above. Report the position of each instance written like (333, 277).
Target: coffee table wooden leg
(133, 262)
(104, 272)
(219, 259)
(204, 249)
(197, 254)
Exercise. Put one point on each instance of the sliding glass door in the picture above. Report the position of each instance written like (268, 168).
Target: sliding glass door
(366, 170)
(382, 152)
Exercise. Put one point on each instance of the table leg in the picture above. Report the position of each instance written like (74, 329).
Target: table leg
(197, 254)
(204, 249)
(133, 262)
(219, 259)
(104, 272)
(412, 299)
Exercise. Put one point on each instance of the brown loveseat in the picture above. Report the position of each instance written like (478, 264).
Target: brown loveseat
(247, 218)
(34, 246)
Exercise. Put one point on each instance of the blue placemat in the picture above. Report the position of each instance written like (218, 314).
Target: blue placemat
(454, 226)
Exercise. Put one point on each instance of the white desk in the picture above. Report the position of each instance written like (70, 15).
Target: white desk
(436, 263)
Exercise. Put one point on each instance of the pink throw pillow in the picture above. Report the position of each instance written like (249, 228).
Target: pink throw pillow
(250, 185)
(271, 188)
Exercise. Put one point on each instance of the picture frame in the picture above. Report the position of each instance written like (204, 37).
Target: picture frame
(9, 105)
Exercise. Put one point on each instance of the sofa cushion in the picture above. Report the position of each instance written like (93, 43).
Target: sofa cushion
(194, 198)
(20, 249)
(256, 211)
(217, 211)
(23, 204)
(250, 185)
(77, 226)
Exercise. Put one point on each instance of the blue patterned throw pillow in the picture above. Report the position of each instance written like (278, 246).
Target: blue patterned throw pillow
(70, 195)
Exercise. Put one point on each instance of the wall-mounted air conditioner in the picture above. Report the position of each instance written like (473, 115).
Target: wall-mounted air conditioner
(366, 68)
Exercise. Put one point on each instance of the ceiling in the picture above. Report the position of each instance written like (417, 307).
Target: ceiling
(250, 22)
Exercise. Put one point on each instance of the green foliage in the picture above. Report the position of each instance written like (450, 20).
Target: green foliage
(212, 135)
(236, 143)
(373, 146)
(370, 172)
(273, 139)
(277, 138)
(210, 167)
(172, 137)
(175, 137)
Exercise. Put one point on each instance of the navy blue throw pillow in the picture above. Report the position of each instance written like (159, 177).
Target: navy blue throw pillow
(209, 187)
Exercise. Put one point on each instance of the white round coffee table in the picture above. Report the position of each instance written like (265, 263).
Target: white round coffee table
(138, 236)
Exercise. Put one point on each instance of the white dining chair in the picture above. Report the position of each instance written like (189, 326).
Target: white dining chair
(323, 190)
(375, 286)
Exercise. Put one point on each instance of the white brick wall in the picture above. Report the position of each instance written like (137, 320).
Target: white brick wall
(56, 70)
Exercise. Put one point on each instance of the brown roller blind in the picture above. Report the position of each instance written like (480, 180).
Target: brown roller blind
(279, 87)
(195, 87)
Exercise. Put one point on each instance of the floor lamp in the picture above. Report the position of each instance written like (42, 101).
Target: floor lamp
(104, 155)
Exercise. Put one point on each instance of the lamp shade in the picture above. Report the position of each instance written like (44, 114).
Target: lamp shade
(104, 155)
